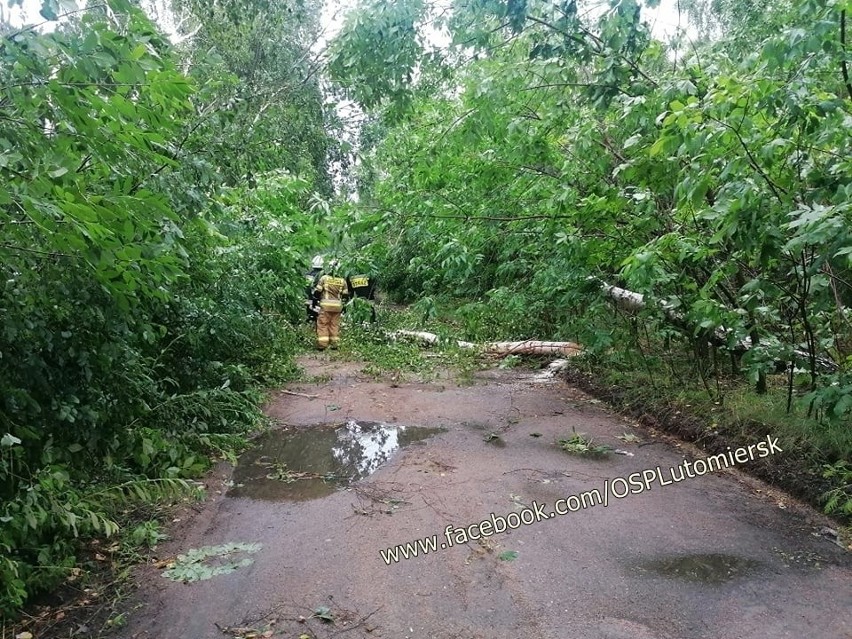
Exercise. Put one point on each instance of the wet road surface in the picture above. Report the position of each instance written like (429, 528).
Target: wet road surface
(366, 466)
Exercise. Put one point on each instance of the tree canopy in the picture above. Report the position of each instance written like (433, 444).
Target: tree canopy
(157, 204)
(167, 168)
(563, 146)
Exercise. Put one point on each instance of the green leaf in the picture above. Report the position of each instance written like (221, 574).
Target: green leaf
(8, 441)
(633, 140)
(324, 613)
(49, 9)
(843, 405)
(192, 566)
(508, 555)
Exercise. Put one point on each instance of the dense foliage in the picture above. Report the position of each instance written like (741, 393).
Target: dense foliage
(568, 148)
(160, 195)
(151, 249)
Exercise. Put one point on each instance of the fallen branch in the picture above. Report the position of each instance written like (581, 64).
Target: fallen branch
(428, 338)
(305, 395)
(358, 623)
(525, 347)
(533, 347)
(632, 301)
(555, 367)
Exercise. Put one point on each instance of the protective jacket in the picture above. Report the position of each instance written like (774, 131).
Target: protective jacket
(311, 279)
(332, 290)
(362, 285)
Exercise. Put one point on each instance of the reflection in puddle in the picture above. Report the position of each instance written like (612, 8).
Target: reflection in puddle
(705, 568)
(313, 462)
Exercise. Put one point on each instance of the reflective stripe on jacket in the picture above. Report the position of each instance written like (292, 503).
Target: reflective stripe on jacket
(333, 290)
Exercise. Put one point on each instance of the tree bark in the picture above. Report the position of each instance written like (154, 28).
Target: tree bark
(632, 301)
(525, 347)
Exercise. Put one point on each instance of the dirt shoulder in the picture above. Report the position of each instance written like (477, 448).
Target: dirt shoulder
(793, 472)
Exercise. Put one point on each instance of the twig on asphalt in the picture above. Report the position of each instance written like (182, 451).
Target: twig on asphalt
(305, 395)
(359, 623)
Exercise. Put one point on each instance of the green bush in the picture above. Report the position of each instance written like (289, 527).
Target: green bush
(138, 317)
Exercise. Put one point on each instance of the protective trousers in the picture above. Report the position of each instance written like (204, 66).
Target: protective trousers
(328, 328)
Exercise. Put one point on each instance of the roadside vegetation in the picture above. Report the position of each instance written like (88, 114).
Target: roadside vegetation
(557, 148)
(401, 359)
(158, 198)
(161, 195)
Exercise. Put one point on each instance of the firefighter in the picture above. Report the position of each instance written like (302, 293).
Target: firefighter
(332, 292)
(311, 279)
(363, 285)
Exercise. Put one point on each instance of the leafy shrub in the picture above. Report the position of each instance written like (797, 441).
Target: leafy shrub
(136, 322)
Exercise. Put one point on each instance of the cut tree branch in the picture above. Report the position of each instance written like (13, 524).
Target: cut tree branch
(524, 347)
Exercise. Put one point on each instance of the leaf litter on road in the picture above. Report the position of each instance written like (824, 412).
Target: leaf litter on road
(630, 438)
(195, 564)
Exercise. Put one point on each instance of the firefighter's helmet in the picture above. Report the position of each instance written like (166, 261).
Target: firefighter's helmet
(317, 262)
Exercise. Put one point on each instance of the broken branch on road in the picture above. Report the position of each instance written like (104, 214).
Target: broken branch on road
(524, 347)
(294, 393)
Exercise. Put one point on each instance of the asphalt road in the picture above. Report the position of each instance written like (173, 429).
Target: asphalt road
(715, 556)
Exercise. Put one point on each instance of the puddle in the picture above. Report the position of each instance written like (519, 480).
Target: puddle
(310, 463)
(476, 425)
(707, 568)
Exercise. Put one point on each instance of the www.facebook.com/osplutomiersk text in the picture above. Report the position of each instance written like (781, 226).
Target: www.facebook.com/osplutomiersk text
(615, 488)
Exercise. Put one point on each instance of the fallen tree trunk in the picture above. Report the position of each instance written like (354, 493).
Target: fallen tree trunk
(525, 347)
(428, 338)
(632, 301)
(533, 347)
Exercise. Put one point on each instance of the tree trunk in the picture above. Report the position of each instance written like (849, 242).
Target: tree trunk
(525, 347)
(632, 301)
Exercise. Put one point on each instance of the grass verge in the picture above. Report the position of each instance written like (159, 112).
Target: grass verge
(734, 417)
